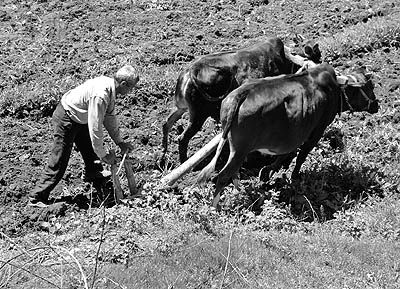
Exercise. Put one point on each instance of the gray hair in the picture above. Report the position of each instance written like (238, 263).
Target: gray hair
(126, 73)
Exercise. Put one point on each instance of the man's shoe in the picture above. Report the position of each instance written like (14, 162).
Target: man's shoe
(98, 175)
(33, 202)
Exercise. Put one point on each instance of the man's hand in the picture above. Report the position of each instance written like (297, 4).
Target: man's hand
(125, 147)
(109, 159)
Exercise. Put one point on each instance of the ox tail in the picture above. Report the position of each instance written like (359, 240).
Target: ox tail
(207, 171)
(233, 108)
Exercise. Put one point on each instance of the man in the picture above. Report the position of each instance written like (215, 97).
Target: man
(79, 119)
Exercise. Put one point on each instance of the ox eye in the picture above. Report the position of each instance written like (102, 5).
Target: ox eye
(370, 84)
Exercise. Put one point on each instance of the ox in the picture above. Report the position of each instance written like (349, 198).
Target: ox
(278, 115)
(202, 86)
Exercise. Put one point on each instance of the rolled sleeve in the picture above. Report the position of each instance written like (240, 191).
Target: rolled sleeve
(96, 114)
(110, 120)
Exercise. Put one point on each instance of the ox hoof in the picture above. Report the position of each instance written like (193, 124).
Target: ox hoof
(266, 173)
(215, 203)
(295, 176)
(216, 207)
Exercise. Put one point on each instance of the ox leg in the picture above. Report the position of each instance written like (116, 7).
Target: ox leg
(287, 159)
(299, 161)
(195, 124)
(230, 170)
(282, 161)
(172, 118)
(305, 149)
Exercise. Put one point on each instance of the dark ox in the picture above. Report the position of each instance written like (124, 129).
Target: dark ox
(202, 86)
(278, 115)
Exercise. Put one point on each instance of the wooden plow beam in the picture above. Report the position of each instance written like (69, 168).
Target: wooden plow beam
(190, 163)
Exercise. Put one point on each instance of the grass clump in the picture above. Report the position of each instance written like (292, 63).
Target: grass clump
(362, 38)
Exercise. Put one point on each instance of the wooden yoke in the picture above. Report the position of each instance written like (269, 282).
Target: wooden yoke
(299, 60)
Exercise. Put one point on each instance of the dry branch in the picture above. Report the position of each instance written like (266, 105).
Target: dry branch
(227, 260)
(84, 279)
(103, 225)
(32, 273)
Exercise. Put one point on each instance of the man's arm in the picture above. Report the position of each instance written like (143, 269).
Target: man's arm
(96, 112)
(112, 126)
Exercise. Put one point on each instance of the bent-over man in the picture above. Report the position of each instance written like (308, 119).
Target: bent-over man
(79, 118)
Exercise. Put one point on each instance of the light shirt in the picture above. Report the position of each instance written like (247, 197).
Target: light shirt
(93, 103)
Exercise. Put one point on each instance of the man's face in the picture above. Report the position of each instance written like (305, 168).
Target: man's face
(126, 86)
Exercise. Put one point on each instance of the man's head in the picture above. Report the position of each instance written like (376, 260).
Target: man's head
(126, 79)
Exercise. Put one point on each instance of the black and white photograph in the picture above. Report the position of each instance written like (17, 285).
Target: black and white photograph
(204, 144)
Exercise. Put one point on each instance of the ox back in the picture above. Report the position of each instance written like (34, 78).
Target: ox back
(208, 80)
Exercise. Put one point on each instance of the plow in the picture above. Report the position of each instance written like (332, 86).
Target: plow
(115, 172)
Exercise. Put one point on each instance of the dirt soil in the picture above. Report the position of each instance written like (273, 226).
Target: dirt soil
(51, 46)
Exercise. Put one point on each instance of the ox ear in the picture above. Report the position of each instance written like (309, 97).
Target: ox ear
(316, 48)
(317, 55)
(308, 51)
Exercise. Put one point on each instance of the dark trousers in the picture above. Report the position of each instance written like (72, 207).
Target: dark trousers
(66, 133)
